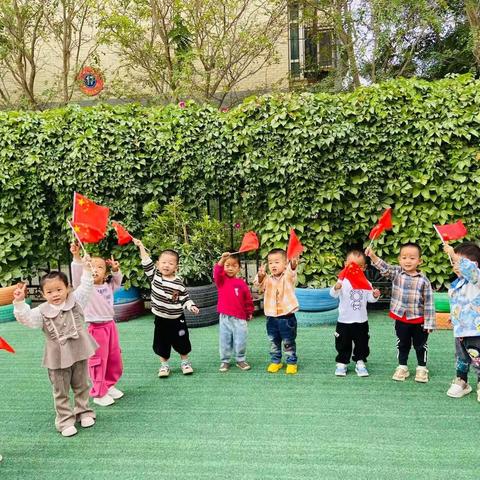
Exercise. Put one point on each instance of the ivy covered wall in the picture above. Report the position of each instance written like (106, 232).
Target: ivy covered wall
(326, 165)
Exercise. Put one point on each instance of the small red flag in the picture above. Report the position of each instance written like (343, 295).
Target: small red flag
(354, 274)
(89, 219)
(295, 248)
(385, 223)
(123, 236)
(249, 242)
(5, 346)
(451, 231)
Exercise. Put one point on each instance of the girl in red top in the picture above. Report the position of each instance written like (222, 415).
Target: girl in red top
(235, 307)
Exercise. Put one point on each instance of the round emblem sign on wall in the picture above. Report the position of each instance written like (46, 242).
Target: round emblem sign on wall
(91, 81)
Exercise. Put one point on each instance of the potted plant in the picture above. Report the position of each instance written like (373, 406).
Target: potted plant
(199, 241)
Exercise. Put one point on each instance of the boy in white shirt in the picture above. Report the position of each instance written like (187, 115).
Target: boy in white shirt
(352, 324)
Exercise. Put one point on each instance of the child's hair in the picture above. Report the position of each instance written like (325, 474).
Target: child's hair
(357, 253)
(469, 250)
(53, 276)
(413, 245)
(274, 251)
(235, 257)
(170, 252)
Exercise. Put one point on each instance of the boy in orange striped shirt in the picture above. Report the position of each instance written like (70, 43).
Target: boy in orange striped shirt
(280, 305)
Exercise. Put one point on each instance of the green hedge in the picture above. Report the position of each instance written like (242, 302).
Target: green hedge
(325, 164)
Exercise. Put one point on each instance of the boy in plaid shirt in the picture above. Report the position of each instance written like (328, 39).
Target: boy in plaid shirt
(280, 305)
(411, 307)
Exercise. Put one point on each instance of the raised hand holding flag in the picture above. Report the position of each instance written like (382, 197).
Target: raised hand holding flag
(123, 236)
(355, 275)
(249, 242)
(89, 220)
(452, 231)
(295, 248)
(384, 223)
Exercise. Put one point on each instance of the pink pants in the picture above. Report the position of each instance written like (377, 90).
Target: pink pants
(105, 365)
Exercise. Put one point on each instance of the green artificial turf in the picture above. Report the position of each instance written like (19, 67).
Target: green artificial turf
(244, 425)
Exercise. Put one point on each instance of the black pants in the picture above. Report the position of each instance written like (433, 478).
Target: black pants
(170, 334)
(406, 335)
(345, 335)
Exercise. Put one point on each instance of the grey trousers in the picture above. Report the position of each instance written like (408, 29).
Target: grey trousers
(62, 379)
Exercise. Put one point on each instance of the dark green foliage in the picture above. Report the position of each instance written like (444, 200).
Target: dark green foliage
(326, 165)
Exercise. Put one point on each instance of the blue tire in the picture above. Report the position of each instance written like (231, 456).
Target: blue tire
(122, 295)
(6, 312)
(315, 299)
(313, 319)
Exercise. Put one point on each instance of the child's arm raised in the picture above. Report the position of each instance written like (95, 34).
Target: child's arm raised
(147, 263)
(117, 275)
(386, 270)
(83, 292)
(218, 270)
(260, 277)
(25, 315)
(76, 265)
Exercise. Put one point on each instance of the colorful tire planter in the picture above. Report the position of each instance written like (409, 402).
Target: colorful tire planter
(442, 309)
(317, 307)
(127, 304)
(6, 312)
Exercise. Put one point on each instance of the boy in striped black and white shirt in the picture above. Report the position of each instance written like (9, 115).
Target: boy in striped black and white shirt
(169, 298)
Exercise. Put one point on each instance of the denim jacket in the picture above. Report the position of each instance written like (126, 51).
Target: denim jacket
(464, 296)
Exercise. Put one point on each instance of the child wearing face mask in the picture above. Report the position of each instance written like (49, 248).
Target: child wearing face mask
(105, 367)
(464, 296)
(280, 305)
(235, 306)
(411, 307)
(169, 298)
(67, 343)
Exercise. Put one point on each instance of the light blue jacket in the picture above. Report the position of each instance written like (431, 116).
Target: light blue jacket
(464, 295)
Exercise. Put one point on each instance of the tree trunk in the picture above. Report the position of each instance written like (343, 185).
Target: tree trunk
(472, 8)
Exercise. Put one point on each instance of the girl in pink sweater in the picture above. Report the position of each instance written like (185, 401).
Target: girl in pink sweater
(105, 366)
(235, 307)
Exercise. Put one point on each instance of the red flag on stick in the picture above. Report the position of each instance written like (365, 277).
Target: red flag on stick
(5, 346)
(385, 223)
(295, 248)
(89, 219)
(452, 231)
(355, 275)
(249, 242)
(123, 236)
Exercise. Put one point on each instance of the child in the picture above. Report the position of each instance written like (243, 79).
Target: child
(235, 307)
(280, 305)
(169, 297)
(411, 307)
(68, 345)
(464, 296)
(105, 366)
(352, 324)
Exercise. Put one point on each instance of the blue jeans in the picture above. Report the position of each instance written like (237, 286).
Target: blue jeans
(284, 329)
(233, 337)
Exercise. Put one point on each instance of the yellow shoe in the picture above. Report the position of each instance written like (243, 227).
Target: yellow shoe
(274, 367)
(292, 369)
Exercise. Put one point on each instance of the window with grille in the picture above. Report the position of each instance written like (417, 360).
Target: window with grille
(311, 45)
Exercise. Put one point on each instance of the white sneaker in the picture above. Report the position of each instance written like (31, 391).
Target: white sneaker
(341, 370)
(115, 393)
(104, 401)
(401, 373)
(459, 388)
(69, 431)
(86, 422)
(361, 369)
